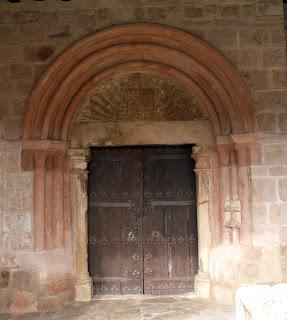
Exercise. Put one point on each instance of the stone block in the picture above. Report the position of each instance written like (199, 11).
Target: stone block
(267, 122)
(259, 171)
(21, 71)
(278, 214)
(248, 58)
(193, 11)
(270, 9)
(230, 10)
(12, 161)
(25, 16)
(5, 105)
(254, 37)
(278, 171)
(25, 280)
(23, 301)
(10, 54)
(23, 87)
(265, 235)
(85, 16)
(277, 37)
(271, 100)
(13, 128)
(104, 13)
(39, 53)
(275, 154)
(211, 10)
(139, 13)
(248, 10)
(55, 302)
(283, 190)
(58, 31)
(4, 303)
(279, 78)
(223, 37)
(283, 235)
(274, 57)
(263, 190)
(32, 33)
(48, 16)
(156, 13)
(66, 15)
(4, 279)
(8, 35)
(57, 287)
(259, 213)
(5, 73)
(282, 120)
(6, 87)
(255, 79)
(5, 16)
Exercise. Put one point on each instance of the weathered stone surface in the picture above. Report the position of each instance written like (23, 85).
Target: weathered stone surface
(256, 79)
(139, 97)
(277, 213)
(133, 308)
(4, 279)
(282, 119)
(283, 189)
(23, 301)
(267, 122)
(249, 34)
(271, 100)
(21, 71)
(264, 190)
(25, 280)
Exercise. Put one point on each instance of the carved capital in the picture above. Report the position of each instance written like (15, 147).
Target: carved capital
(226, 154)
(232, 213)
(79, 159)
(33, 159)
(243, 155)
(55, 160)
(202, 157)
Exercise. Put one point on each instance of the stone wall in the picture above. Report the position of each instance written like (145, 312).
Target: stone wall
(249, 33)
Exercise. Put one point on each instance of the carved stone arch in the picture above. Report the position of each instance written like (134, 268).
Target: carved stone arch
(164, 47)
(222, 168)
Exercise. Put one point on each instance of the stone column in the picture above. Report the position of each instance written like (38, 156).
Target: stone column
(79, 204)
(203, 169)
(39, 200)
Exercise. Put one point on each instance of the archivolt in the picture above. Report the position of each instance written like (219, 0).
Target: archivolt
(143, 48)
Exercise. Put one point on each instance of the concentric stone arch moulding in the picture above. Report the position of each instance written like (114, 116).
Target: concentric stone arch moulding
(60, 176)
(213, 80)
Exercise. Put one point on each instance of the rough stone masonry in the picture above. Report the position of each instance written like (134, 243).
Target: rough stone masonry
(250, 34)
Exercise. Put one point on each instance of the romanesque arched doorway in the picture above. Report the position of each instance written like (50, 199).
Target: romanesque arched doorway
(57, 149)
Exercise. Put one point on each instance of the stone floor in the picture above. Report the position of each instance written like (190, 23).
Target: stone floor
(185, 307)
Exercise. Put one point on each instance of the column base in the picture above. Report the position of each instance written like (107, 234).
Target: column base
(84, 290)
(202, 285)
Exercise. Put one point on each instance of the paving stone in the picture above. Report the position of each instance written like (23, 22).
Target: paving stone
(137, 308)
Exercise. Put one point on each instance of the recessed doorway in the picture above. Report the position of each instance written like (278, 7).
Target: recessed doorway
(142, 220)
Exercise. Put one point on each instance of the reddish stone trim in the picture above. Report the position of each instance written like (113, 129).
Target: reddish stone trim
(149, 43)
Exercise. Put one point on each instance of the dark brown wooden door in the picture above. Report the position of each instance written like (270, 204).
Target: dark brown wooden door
(142, 220)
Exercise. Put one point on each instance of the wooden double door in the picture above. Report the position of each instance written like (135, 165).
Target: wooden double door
(142, 220)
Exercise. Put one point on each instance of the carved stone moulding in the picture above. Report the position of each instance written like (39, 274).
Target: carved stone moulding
(52, 153)
(139, 96)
